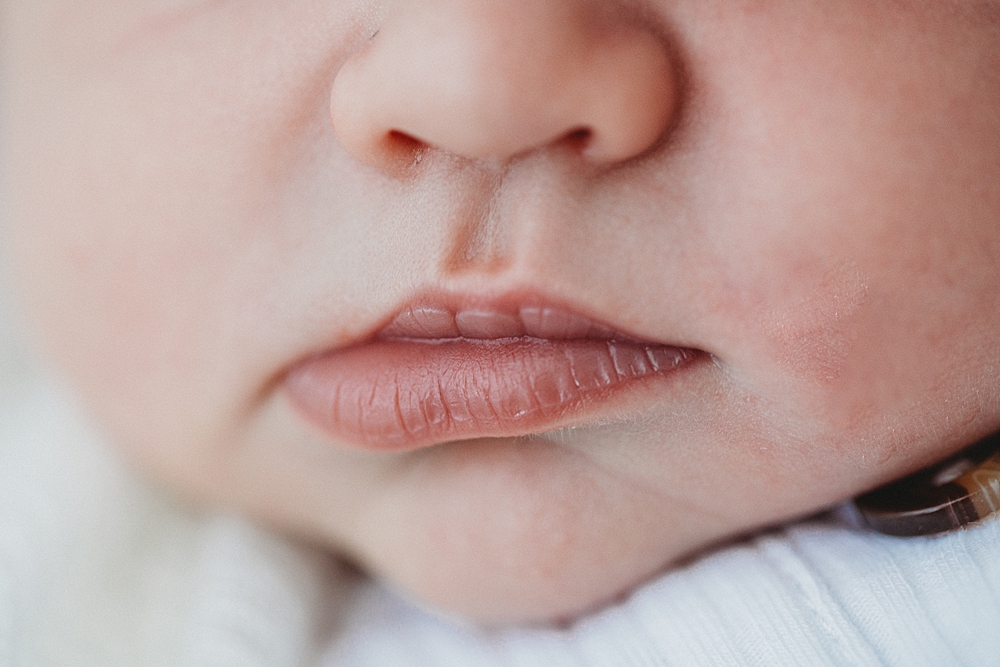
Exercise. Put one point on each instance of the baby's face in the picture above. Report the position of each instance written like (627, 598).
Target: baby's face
(514, 302)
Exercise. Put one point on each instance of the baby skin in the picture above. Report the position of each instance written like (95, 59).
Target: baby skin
(513, 303)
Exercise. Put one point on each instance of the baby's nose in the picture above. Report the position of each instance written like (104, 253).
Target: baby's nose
(493, 79)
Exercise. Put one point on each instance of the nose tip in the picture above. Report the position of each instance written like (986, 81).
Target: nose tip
(492, 79)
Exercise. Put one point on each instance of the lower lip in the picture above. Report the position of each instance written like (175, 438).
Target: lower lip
(405, 394)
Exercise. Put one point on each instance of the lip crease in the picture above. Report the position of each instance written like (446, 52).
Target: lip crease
(437, 374)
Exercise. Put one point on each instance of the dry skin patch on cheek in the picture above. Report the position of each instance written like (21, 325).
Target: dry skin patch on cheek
(814, 336)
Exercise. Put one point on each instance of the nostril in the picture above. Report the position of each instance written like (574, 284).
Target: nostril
(579, 138)
(401, 141)
(401, 149)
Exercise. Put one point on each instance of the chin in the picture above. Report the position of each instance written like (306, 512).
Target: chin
(520, 532)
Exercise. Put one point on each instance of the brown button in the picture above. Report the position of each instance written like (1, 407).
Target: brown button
(958, 491)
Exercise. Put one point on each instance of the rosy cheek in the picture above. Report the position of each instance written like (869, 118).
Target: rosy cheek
(813, 336)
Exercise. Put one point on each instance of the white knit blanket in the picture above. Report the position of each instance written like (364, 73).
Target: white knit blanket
(98, 568)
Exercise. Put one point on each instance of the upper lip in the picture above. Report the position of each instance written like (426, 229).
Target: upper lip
(511, 315)
(489, 322)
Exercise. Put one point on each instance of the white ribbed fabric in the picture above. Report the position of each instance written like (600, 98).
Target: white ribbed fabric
(96, 568)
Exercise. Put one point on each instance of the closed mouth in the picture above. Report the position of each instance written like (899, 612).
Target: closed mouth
(436, 374)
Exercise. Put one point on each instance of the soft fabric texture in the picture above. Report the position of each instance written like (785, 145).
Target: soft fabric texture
(98, 568)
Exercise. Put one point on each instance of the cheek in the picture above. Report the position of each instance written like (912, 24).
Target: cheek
(148, 215)
(813, 337)
(117, 310)
(855, 230)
